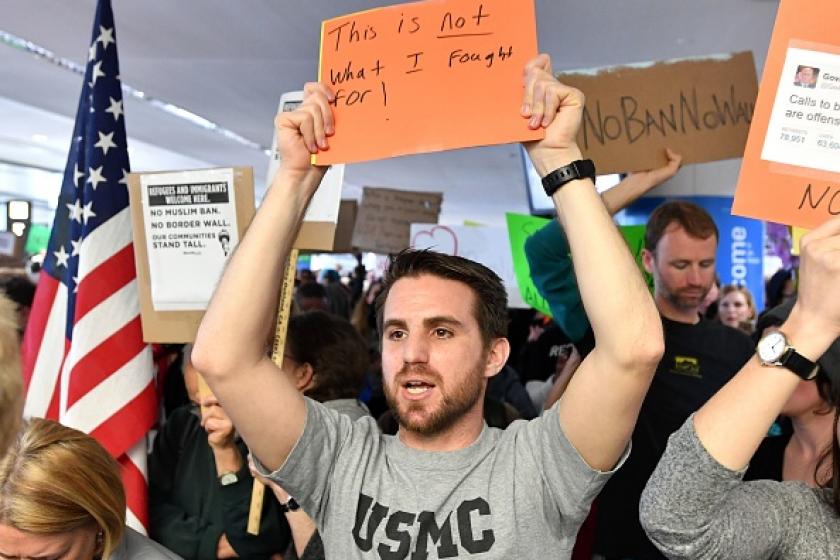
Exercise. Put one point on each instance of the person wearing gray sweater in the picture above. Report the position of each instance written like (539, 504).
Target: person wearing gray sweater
(695, 505)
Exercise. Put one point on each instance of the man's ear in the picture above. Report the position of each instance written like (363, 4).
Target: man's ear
(648, 261)
(304, 376)
(497, 356)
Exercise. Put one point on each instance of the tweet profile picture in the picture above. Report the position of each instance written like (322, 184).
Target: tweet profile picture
(806, 76)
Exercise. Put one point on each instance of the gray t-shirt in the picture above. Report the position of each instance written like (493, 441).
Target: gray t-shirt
(695, 508)
(518, 493)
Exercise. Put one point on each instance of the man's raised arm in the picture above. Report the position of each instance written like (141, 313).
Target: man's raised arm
(600, 406)
(229, 350)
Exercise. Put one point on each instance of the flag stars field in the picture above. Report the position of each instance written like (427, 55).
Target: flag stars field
(61, 257)
(75, 211)
(115, 108)
(95, 176)
(106, 142)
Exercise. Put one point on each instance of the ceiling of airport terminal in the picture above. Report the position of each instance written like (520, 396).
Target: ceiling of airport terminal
(230, 61)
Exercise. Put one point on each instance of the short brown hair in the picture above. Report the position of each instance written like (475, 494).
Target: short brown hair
(334, 349)
(55, 479)
(490, 296)
(692, 218)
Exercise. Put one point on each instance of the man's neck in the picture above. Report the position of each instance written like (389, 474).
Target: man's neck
(668, 310)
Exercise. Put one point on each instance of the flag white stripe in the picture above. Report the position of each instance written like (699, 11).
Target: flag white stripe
(104, 242)
(138, 456)
(97, 325)
(132, 521)
(98, 405)
(51, 353)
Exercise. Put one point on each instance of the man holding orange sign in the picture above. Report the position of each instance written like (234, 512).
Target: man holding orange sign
(446, 486)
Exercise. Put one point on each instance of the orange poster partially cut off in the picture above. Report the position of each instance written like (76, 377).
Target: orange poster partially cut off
(791, 168)
(427, 76)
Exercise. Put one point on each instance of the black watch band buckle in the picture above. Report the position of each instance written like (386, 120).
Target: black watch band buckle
(578, 169)
(290, 505)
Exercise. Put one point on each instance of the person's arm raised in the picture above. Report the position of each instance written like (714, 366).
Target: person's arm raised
(733, 422)
(229, 349)
(600, 406)
(639, 182)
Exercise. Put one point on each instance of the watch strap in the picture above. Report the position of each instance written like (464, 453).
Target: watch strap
(578, 169)
(290, 505)
(799, 364)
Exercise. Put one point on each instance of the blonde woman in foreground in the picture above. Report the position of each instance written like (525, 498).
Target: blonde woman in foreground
(61, 497)
(695, 504)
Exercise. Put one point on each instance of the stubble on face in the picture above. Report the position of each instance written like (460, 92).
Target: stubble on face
(685, 298)
(428, 418)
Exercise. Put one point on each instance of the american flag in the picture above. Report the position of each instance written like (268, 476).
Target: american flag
(84, 360)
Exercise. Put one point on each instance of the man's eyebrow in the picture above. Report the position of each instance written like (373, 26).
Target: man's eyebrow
(442, 320)
(394, 323)
(427, 322)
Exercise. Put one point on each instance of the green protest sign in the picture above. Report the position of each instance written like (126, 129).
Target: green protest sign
(37, 239)
(522, 226)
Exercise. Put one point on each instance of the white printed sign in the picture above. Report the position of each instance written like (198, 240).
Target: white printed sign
(326, 200)
(190, 222)
(487, 245)
(804, 128)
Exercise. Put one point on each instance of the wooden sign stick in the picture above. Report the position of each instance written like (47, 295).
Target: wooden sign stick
(283, 312)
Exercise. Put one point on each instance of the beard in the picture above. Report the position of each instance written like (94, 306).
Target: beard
(427, 419)
(687, 298)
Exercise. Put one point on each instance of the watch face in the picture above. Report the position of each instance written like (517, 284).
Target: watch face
(771, 347)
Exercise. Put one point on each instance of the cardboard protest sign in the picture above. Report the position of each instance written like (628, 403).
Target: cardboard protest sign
(702, 108)
(417, 77)
(791, 168)
(317, 231)
(185, 226)
(478, 243)
(383, 223)
(522, 226)
(347, 211)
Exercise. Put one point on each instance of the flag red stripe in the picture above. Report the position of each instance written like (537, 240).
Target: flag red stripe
(136, 491)
(101, 362)
(38, 317)
(128, 424)
(104, 280)
(53, 410)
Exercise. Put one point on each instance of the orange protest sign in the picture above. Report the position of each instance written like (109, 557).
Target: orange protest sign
(791, 168)
(427, 76)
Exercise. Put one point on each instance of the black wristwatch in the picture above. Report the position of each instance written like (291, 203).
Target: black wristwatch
(578, 169)
(774, 350)
(290, 505)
